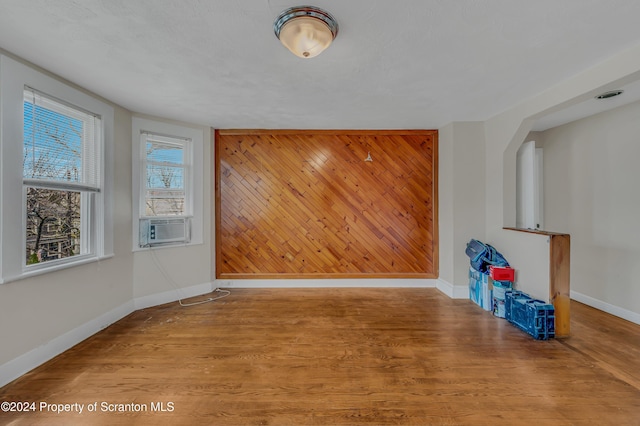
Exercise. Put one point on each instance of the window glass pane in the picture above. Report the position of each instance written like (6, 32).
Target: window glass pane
(59, 141)
(165, 177)
(164, 203)
(167, 153)
(53, 224)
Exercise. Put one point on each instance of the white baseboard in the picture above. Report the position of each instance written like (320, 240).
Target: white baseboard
(26, 362)
(32, 359)
(323, 283)
(171, 296)
(453, 291)
(606, 307)
(35, 357)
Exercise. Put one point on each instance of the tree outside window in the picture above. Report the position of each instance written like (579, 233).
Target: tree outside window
(59, 173)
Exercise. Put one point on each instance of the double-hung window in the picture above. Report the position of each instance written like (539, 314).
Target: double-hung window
(167, 184)
(60, 175)
(55, 187)
(166, 175)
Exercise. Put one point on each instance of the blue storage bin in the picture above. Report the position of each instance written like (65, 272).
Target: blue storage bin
(535, 317)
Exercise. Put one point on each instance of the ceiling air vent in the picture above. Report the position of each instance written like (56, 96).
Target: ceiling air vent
(611, 94)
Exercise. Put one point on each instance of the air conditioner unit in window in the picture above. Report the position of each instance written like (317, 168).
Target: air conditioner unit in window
(156, 231)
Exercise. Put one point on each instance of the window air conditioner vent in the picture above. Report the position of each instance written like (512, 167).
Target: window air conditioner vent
(155, 231)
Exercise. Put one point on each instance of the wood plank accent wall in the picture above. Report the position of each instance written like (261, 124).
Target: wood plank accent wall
(305, 204)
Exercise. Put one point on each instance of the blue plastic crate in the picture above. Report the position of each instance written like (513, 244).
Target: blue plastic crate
(510, 296)
(535, 317)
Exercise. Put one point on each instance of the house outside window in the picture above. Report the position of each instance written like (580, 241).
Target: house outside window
(61, 158)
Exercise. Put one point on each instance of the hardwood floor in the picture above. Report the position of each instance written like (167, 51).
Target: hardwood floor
(338, 357)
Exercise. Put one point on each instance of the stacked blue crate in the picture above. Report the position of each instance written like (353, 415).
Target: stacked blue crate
(510, 296)
(535, 317)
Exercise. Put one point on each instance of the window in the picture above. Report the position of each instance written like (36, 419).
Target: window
(529, 189)
(168, 161)
(60, 173)
(55, 185)
(166, 171)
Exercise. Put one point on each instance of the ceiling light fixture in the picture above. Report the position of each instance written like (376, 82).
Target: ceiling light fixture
(305, 30)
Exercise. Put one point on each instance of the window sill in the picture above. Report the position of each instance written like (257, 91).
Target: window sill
(168, 246)
(56, 267)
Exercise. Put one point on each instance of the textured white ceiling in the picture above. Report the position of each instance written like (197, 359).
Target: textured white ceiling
(395, 64)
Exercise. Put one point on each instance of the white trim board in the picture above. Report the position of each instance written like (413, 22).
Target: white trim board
(450, 290)
(24, 363)
(327, 283)
(453, 291)
(626, 314)
(28, 361)
(171, 296)
(17, 367)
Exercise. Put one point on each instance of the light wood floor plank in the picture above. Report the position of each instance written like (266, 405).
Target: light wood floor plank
(341, 357)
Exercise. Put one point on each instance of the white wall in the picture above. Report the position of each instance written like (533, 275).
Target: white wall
(461, 194)
(502, 135)
(529, 254)
(591, 174)
(169, 273)
(505, 133)
(45, 315)
(37, 310)
(446, 223)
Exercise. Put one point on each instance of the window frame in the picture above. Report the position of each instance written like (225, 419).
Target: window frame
(14, 77)
(186, 145)
(194, 181)
(90, 159)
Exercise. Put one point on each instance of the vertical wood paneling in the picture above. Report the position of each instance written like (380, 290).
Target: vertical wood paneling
(559, 282)
(306, 204)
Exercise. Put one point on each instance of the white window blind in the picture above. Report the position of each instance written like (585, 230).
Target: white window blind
(58, 142)
(61, 144)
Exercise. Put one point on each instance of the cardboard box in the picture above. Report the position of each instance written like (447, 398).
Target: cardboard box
(481, 289)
